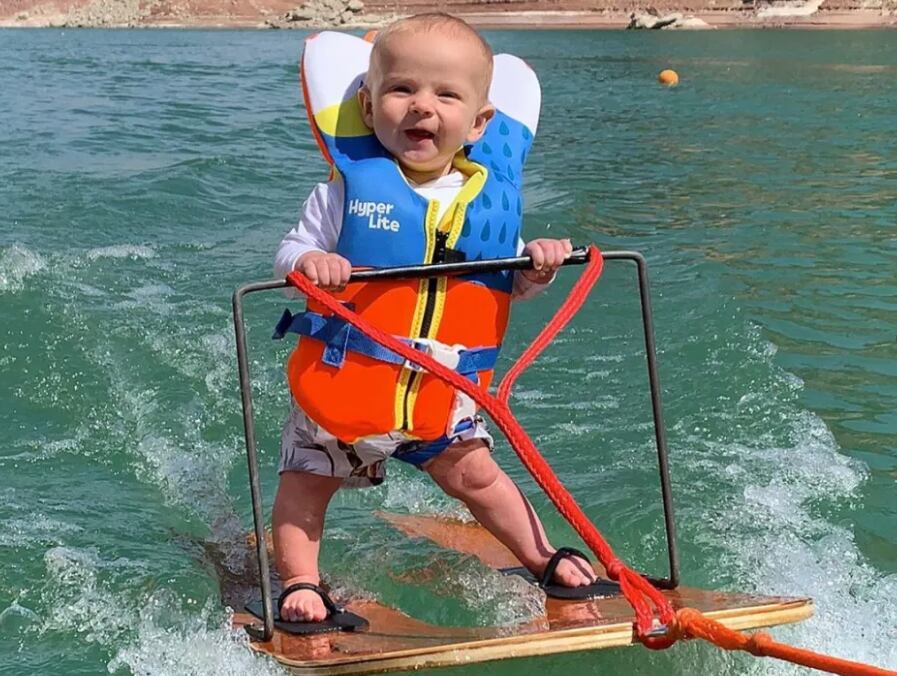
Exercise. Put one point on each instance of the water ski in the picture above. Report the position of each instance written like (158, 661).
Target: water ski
(396, 642)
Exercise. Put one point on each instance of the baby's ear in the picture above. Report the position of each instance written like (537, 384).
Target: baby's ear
(365, 102)
(486, 113)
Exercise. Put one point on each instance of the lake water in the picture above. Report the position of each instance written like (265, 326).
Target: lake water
(145, 174)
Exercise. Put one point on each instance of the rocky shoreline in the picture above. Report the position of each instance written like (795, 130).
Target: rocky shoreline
(285, 14)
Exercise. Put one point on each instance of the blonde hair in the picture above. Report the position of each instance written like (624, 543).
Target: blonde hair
(434, 21)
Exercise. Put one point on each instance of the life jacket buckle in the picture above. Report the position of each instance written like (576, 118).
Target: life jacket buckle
(447, 355)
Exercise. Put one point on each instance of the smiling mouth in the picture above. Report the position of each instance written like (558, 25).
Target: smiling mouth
(418, 135)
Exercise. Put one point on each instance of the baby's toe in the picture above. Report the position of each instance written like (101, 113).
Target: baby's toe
(303, 606)
(580, 578)
(316, 610)
(574, 573)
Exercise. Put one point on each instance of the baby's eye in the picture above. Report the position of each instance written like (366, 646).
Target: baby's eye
(400, 89)
(449, 95)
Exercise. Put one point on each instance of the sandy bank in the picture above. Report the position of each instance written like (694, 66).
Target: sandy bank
(522, 14)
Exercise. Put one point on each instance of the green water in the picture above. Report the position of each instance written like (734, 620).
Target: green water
(145, 174)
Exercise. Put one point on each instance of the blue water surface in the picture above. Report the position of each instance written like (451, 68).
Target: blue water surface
(145, 174)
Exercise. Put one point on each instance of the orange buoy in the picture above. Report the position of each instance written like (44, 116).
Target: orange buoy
(668, 78)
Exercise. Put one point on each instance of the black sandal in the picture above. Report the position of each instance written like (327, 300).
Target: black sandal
(338, 618)
(600, 588)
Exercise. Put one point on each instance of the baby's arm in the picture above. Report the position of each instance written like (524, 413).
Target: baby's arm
(548, 255)
(306, 247)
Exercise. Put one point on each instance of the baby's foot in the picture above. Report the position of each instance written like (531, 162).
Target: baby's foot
(572, 571)
(303, 605)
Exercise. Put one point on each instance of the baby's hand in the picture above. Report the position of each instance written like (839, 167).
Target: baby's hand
(547, 255)
(327, 270)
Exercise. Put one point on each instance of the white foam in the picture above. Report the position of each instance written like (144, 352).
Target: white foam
(594, 403)
(43, 448)
(604, 358)
(531, 395)
(159, 634)
(150, 292)
(192, 474)
(17, 619)
(208, 358)
(174, 642)
(149, 297)
(497, 600)
(17, 263)
(419, 495)
(132, 251)
(34, 529)
(219, 375)
(572, 429)
(76, 601)
(794, 551)
(169, 444)
(781, 472)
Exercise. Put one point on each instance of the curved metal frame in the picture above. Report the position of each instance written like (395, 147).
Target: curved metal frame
(579, 256)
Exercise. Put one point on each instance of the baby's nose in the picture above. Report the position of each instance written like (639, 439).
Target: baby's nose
(422, 104)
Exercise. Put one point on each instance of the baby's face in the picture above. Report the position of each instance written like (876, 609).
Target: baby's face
(426, 100)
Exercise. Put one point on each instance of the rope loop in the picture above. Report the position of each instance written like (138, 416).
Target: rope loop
(659, 642)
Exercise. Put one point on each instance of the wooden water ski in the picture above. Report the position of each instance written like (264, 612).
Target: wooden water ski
(397, 642)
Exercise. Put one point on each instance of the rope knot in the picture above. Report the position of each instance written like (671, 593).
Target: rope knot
(614, 568)
(758, 643)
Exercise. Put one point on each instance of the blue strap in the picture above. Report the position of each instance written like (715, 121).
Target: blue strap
(340, 336)
(418, 452)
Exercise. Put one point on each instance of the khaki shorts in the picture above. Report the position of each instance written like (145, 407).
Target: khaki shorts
(305, 446)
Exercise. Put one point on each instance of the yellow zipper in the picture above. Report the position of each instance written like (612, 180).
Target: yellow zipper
(451, 224)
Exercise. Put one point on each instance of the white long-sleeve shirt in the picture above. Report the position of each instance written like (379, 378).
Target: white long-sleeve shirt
(322, 219)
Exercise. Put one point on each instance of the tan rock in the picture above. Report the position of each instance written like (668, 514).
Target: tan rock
(691, 23)
(301, 14)
(651, 20)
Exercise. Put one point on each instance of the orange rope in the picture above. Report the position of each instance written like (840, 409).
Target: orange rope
(685, 623)
(691, 623)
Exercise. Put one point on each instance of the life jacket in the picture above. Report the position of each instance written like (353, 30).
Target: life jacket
(341, 379)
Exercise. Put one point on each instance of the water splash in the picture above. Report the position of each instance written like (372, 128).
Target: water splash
(496, 599)
(171, 641)
(17, 263)
(418, 495)
(79, 595)
(121, 251)
(783, 473)
(156, 632)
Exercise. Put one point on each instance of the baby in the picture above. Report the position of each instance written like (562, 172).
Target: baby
(425, 97)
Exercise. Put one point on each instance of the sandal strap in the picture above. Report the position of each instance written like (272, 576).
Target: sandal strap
(556, 558)
(332, 608)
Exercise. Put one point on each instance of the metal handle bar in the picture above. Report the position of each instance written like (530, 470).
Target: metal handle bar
(577, 257)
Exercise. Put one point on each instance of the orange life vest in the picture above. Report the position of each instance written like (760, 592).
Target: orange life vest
(340, 378)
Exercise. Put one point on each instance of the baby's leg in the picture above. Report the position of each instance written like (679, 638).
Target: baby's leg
(467, 471)
(298, 522)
